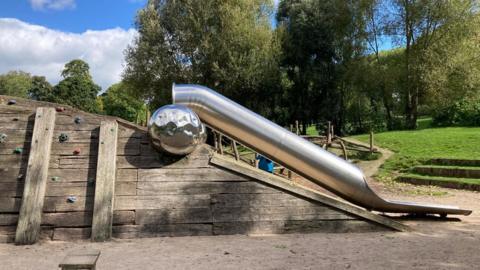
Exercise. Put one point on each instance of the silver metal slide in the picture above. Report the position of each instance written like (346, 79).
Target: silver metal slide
(294, 152)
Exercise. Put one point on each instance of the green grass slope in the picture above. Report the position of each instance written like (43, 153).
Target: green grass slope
(415, 147)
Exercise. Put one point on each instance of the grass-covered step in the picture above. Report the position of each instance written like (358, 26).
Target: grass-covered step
(454, 162)
(447, 182)
(448, 171)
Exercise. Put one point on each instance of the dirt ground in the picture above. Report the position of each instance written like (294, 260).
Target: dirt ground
(434, 244)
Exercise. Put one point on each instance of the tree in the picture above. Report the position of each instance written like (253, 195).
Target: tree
(227, 45)
(77, 88)
(321, 39)
(15, 83)
(419, 24)
(118, 101)
(76, 68)
(40, 89)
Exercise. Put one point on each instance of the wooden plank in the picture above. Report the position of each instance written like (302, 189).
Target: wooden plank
(188, 174)
(162, 161)
(248, 213)
(161, 202)
(29, 221)
(10, 205)
(288, 186)
(105, 184)
(12, 174)
(78, 136)
(288, 226)
(173, 216)
(18, 135)
(13, 161)
(11, 189)
(8, 148)
(8, 219)
(127, 175)
(171, 188)
(61, 203)
(69, 234)
(83, 219)
(71, 175)
(73, 162)
(86, 188)
(155, 230)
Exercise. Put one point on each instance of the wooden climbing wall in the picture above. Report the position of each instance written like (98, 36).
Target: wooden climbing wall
(154, 194)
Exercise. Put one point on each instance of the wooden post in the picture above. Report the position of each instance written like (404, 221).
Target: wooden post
(289, 174)
(235, 150)
(296, 127)
(105, 183)
(215, 140)
(332, 133)
(371, 141)
(291, 128)
(30, 216)
(329, 132)
(147, 116)
(220, 144)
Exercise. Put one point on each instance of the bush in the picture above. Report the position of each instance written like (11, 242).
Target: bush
(462, 113)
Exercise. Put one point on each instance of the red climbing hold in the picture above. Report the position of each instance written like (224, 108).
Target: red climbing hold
(60, 109)
(76, 151)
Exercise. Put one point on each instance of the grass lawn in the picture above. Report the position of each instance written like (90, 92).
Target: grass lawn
(414, 147)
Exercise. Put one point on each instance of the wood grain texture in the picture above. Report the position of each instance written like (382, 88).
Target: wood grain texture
(29, 220)
(188, 175)
(105, 183)
(306, 193)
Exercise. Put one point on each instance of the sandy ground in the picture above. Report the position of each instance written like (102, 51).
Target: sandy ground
(434, 244)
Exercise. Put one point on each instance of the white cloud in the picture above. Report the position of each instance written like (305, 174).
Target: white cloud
(43, 51)
(52, 4)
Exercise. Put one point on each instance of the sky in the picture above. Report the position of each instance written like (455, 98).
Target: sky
(40, 36)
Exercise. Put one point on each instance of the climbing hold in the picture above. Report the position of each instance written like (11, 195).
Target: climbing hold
(12, 102)
(15, 119)
(18, 150)
(55, 178)
(3, 137)
(60, 109)
(78, 120)
(20, 176)
(63, 137)
(76, 151)
(91, 182)
(71, 199)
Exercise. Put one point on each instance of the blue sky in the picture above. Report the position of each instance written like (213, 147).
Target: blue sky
(75, 16)
(40, 36)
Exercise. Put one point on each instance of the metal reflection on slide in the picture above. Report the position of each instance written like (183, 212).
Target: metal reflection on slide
(293, 152)
(176, 129)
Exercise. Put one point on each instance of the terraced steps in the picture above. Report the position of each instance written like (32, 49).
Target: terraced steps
(447, 182)
(454, 162)
(448, 173)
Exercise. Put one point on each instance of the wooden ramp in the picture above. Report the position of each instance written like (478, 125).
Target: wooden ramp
(98, 177)
(309, 194)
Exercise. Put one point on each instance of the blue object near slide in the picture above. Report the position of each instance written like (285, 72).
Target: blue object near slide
(265, 164)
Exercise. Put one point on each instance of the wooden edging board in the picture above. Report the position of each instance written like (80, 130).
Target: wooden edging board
(289, 186)
(105, 182)
(30, 216)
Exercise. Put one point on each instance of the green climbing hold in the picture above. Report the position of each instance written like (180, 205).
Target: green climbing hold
(55, 178)
(18, 150)
(63, 137)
